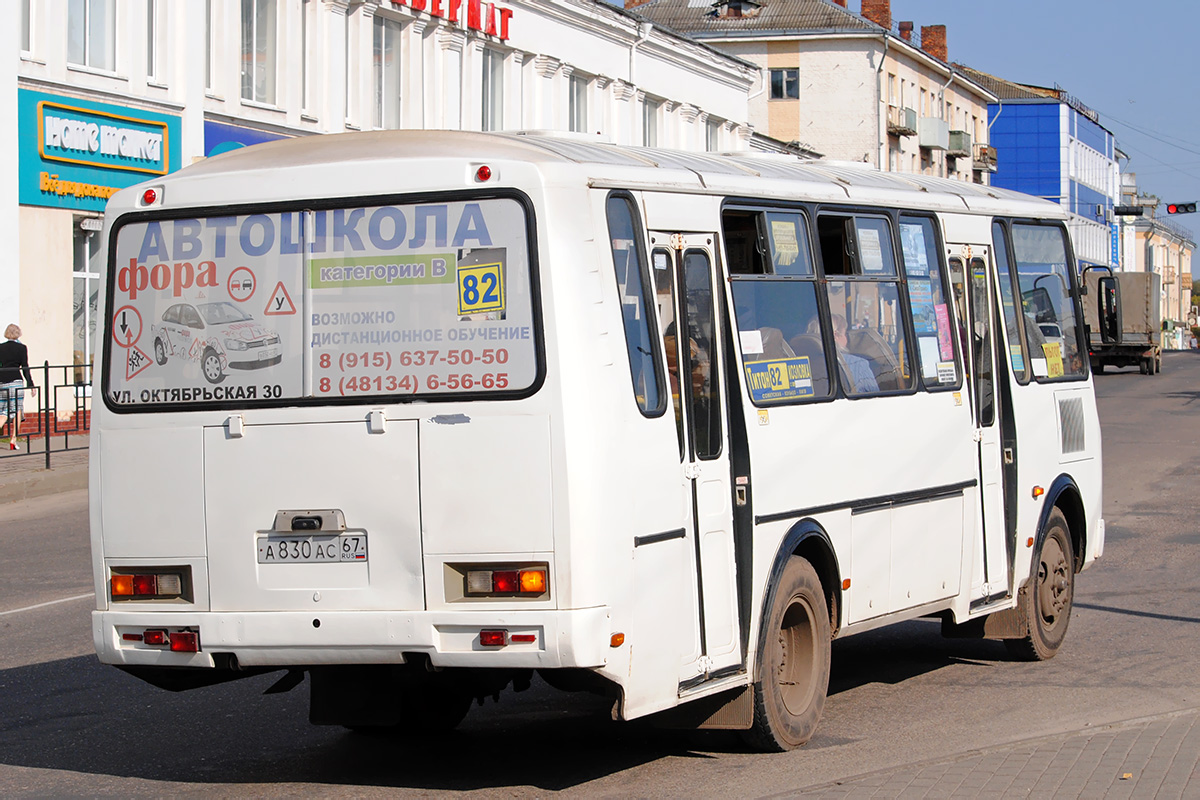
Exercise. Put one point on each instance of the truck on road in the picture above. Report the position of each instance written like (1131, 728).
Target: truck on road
(1125, 306)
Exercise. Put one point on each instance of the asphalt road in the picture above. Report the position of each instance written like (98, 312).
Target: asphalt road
(71, 726)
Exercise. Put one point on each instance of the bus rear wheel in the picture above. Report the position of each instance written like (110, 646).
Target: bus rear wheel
(793, 664)
(1047, 606)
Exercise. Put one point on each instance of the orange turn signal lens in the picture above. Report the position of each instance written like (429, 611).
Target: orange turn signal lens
(533, 581)
(1038, 492)
(616, 640)
(122, 586)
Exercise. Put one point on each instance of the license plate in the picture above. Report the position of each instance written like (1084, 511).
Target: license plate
(269, 353)
(312, 549)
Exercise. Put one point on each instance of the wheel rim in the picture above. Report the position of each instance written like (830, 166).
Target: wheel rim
(1054, 583)
(797, 669)
(212, 367)
(160, 352)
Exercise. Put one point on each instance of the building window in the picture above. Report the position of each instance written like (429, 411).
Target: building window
(258, 51)
(650, 109)
(154, 25)
(891, 89)
(26, 13)
(785, 84)
(577, 104)
(307, 8)
(712, 135)
(493, 90)
(387, 72)
(86, 293)
(208, 46)
(92, 33)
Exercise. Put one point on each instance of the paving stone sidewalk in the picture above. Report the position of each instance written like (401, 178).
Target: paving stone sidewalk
(25, 476)
(1155, 757)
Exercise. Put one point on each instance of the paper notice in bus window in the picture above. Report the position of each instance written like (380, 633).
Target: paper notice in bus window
(779, 379)
(929, 356)
(870, 249)
(752, 343)
(946, 373)
(924, 317)
(1018, 359)
(1054, 362)
(912, 242)
(945, 342)
(783, 235)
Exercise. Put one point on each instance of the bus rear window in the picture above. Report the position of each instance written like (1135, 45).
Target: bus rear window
(359, 302)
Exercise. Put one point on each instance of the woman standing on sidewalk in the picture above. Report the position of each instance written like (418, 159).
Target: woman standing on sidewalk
(14, 360)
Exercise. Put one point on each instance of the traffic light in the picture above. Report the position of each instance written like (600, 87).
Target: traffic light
(1181, 208)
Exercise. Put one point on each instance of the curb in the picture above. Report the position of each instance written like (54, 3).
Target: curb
(43, 482)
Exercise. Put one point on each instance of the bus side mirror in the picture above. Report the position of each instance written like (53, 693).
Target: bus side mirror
(1108, 301)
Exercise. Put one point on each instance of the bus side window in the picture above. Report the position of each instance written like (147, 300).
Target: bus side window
(1047, 302)
(865, 308)
(933, 320)
(780, 333)
(633, 286)
(1017, 353)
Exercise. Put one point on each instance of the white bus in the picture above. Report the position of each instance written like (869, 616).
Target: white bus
(415, 414)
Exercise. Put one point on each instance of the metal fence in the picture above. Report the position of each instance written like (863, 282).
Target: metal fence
(57, 417)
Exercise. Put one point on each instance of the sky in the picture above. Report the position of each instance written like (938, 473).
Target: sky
(1136, 64)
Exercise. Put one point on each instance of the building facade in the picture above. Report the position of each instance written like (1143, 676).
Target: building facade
(1051, 145)
(849, 86)
(108, 93)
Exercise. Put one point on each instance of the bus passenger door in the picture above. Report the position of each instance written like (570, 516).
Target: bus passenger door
(990, 579)
(683, 269)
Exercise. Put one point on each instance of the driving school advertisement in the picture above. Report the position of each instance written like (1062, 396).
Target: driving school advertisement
(346, 302)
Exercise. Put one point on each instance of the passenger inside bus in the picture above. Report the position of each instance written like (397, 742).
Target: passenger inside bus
(855, 370)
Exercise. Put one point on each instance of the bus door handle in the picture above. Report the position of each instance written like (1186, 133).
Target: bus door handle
(977, 436)
(691, 471)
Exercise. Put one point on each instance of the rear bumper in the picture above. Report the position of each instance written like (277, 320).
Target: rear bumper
(572, 638)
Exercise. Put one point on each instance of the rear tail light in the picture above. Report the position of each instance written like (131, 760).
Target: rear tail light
(493, 638)
(530, 581)
(149, 585)
(185, 642)
(155, 637)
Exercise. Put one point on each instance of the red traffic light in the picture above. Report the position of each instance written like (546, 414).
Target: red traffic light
(1181, 208)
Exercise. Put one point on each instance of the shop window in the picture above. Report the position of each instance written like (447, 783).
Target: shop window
(259, 50)
(386, 66)
(86, 296)
(92, 34)
(493, 90)
(785, 84)
(578, 104)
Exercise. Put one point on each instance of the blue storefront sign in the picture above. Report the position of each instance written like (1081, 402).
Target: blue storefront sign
(1116, 245)
(220, 137)
(77, 153)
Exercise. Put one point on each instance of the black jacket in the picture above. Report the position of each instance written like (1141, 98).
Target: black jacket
(14, 360)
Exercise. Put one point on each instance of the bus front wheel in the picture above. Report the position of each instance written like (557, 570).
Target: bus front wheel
(1047, 606)
(793, 664)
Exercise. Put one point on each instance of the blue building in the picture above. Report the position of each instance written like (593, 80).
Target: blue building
(1051, 145)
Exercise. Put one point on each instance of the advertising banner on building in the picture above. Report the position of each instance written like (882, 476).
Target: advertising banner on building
(77, 153)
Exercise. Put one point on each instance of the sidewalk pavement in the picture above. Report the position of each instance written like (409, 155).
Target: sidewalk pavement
(24, 476)
(1155, 757)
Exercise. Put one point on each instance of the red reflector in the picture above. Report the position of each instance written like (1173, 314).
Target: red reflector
(505, 581)
(185, 642)
(131, 637)
(155, 637)
(493, 638)
(144, 585)
(523, 638)
(149, 196)
(483, 173)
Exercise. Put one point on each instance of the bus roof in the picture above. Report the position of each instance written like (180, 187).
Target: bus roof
(355, 162)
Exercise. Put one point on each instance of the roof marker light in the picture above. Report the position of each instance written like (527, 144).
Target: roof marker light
(149, 197)
(483, 174)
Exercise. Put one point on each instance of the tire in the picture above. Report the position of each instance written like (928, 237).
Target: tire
(793, 664)
(160, 352)
(1157, 364)
(1144, 366)
(1046, 607)
(210, 365)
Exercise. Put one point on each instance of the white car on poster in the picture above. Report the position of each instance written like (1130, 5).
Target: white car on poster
(218, 335)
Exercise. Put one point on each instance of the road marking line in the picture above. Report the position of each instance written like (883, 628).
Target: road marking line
(51, 603)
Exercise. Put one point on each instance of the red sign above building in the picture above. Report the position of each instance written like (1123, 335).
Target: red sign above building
(486, 18)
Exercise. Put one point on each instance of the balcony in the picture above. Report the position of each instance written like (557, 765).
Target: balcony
(985, 157)
(901, 121)
(960, 144)
(933, 133)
